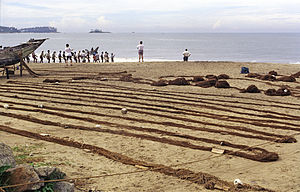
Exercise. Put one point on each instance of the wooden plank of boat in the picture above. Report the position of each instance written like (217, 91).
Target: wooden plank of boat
(10, 55)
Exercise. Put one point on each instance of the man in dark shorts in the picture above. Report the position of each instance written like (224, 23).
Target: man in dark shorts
(186, 55)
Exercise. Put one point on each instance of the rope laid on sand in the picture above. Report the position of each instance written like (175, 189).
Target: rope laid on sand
(131, 172)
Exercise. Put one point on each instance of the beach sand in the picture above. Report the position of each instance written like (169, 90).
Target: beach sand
(87, 95)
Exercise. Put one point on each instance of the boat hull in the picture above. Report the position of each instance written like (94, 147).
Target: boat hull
(11, 55)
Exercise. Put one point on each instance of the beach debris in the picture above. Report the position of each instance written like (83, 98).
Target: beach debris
(103, 79)
(51, 81)
(98, 126)
(283, 92)
(179, 81)
(287, 79)
(222, 84)
(207, 83)
(210, 185)
(160, 83)
(273, 73)
(211, 77)
(251, 89)
(218, 151)
(40, 106)
(141, 167)
(223, 76)
(245, 70)
(270, 92)
(221, 187)
(126, 77)
(212, 82)
(253, 75)
(267, 77)
(287, 139)
(80, 78)
(296, 75)
(238, 183)
(124, 111)
(280, 92)
(6, 106)
(44, 134)
(198, 78)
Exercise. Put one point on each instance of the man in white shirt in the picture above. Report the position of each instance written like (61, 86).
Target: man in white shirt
(186, 55)
(140, 48)
(68, 52)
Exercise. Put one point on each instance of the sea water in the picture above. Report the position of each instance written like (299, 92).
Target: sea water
(254, 47)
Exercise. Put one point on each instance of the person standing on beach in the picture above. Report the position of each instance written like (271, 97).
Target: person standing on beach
(48, 56)
(106, 57)
(186, 55)
(112, 57)
(27, 58)
(97, 57)
(42, 57)
(78, 56)
(83, 56)
(34, 57)
(64, 56)
(59, 56)
(102, 57)
(140, 49)
(88, 56)
(75, 57)
(94, 57)
(68, 52)
(54, 56)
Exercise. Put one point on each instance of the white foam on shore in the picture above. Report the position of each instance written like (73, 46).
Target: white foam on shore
(129, 60)
(296, 63)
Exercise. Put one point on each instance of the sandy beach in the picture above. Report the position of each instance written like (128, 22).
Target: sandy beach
(166, 134)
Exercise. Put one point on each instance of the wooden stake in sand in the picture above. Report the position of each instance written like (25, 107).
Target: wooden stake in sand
(32, 73)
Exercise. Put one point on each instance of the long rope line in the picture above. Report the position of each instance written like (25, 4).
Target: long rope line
(127, 173)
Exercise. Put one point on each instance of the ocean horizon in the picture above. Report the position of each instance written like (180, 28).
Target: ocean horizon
(237, 47)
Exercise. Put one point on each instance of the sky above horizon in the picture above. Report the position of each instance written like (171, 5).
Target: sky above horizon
(154, 15)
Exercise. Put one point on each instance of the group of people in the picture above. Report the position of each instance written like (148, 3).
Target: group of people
(69, 55)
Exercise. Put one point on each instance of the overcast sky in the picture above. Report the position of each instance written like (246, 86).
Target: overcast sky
(155, 15)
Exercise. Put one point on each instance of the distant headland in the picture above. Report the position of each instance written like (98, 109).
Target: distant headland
(28, 30)
(98, 31)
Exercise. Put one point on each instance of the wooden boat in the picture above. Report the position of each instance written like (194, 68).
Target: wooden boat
(11, 55)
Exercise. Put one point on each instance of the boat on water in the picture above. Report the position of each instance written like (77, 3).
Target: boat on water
(98, 31)
(11, 55)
